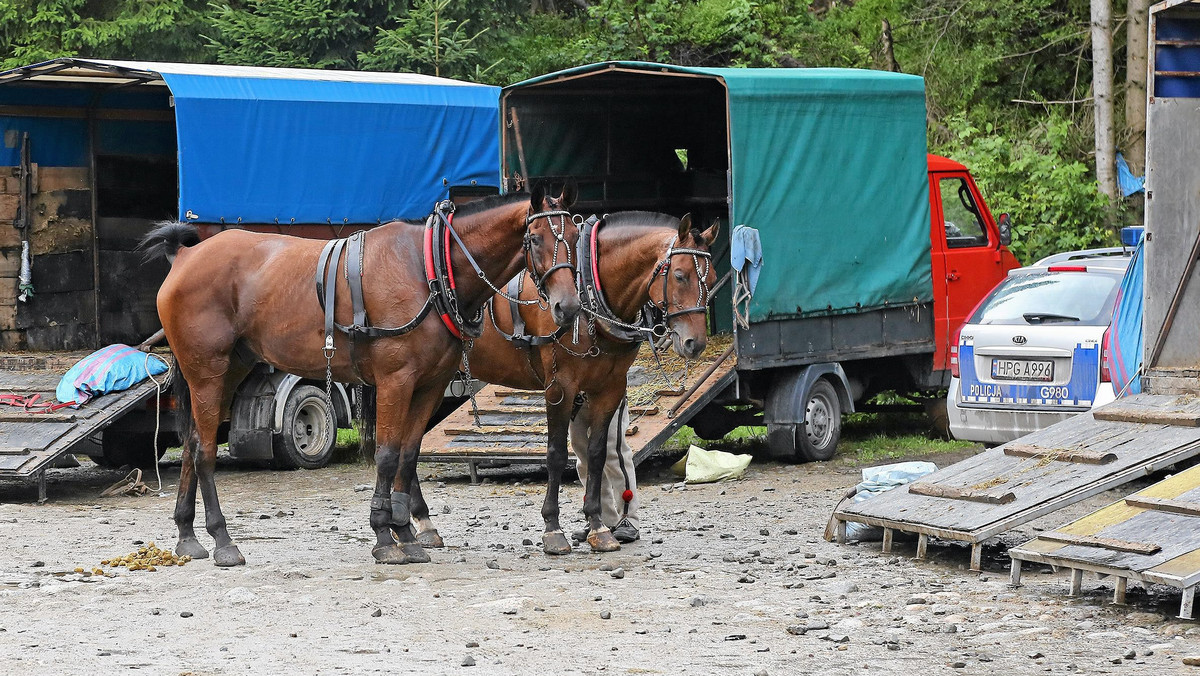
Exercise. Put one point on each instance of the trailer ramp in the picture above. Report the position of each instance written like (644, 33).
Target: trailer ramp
(1152, 536)
(30, 442)
(512, 425)
(999, 489)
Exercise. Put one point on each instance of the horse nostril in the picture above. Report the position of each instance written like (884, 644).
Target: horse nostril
(689, 345)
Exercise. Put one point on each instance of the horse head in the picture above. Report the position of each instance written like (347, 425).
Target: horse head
(688, 275)
(550, 240)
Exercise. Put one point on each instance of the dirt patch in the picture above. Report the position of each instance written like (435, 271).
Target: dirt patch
(729, 578)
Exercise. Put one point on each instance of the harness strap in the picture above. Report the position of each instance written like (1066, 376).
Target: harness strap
(591, 295)
(332, 252)
(518, 337)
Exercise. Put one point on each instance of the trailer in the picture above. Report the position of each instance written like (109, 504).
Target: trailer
(873, 250)
(96, 151)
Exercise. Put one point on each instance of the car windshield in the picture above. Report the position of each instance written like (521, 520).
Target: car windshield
(1051, 298)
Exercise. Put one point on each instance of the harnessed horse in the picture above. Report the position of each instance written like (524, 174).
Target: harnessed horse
(633, 266)
(242, 297)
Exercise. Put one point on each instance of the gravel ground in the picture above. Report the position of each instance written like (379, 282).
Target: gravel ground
(731, 578)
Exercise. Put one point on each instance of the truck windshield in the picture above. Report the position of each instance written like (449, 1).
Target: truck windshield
(1051, 298)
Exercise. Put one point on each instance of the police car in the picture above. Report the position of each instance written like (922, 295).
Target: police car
(1032, 353)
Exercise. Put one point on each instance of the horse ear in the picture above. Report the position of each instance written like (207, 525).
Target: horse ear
(685, 225)
(709, 236)
(537, 196)
(570, 193)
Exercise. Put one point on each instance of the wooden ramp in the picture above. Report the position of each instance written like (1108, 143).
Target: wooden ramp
(513, 422)
(30, 442)
(981, 497)
(1150, 536)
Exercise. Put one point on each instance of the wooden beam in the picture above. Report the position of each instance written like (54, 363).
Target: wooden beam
(1164, 505)
(1149, 416)
(1060, 454)
(149, 115)
(495, 429)
(1103, 543)
(951, 493)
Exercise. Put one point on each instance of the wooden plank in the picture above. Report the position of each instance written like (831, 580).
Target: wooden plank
(1177, 418)
(951, 493)
(36, 417)
(1103, 543)
(1059, 454)
(484, 430)
(1162, 505)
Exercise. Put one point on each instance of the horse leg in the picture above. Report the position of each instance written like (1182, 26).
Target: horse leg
(603, 408)
(185, 503)
(427, 533)
(391, 512)
(558, 418)
(206, 407)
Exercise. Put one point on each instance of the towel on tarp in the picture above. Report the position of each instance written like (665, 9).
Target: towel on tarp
(701, 467)
(876, 480)
(745, 252)
(111, 369)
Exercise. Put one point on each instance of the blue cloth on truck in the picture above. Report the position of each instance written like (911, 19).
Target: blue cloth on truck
(746, 249)
(111, 369)
(1124, 335)
(1128, 183)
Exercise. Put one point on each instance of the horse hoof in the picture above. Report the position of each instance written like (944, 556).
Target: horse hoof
(555, 543)
(389, 554)
(430, 539)
(603, 540)
(228, 556)
(191, 547)
(414, 553)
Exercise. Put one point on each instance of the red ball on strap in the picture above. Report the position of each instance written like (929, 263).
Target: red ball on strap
(627, 496)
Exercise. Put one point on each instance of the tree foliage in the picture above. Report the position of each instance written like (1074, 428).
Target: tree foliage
(1007, 80)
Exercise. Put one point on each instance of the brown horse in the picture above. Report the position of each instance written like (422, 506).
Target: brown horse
(639, 258)
(242, 297)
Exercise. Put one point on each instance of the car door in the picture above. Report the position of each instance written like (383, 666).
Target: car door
(968, 264)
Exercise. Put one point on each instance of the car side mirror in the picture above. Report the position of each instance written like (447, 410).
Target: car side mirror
(1005, 227)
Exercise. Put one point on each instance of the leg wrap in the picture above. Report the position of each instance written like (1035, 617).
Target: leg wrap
(401, 512)
(381, 512)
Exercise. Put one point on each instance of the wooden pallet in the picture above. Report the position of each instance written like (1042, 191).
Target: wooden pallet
(1042, 472)
(513, 422)
(1162, 521)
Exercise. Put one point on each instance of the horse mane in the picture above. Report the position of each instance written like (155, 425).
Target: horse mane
(641, 219)
(481, 205)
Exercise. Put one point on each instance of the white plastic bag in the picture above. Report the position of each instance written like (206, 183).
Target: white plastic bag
(700, 466)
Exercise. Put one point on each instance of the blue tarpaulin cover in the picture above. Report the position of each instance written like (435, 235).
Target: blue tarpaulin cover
(293, 145)
(1125, 333)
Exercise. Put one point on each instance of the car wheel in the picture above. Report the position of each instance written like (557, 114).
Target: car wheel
(816, 437)
(309, 431)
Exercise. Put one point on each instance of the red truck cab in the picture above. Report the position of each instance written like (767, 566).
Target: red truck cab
(969, 258)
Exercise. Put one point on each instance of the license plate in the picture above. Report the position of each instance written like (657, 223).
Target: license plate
(1041, 370)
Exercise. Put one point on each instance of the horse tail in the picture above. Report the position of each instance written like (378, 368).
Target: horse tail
(183, 404)
(167, 238)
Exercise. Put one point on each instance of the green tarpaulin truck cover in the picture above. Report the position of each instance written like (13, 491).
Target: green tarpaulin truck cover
(828, 164)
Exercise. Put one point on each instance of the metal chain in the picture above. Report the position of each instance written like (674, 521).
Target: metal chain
(468, 344)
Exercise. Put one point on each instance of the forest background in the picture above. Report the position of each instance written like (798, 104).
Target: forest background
(1009, 82)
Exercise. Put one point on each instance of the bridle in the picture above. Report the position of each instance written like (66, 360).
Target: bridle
(559, 232)
(664, 269)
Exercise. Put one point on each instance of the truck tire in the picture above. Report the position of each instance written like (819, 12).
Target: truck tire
(816, 438)
(126, 447)
(309, 431)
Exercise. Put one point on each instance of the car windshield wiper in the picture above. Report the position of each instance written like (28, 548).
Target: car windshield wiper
(1042, 317)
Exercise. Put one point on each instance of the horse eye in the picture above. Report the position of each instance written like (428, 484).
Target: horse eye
(536, 240)
(679, 275)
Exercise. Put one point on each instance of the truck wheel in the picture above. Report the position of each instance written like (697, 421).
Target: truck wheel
(822, 423)
(309, 430)
(815, 438)
(124, 447)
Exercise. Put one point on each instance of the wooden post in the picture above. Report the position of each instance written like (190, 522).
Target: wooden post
(887, 540)
(841, 532)
(41, 483)
(1185, 606)
(1014, 573)
(922, 546)
(474, 471)
(1076, 581)
(977, 557)
(1119, 592)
